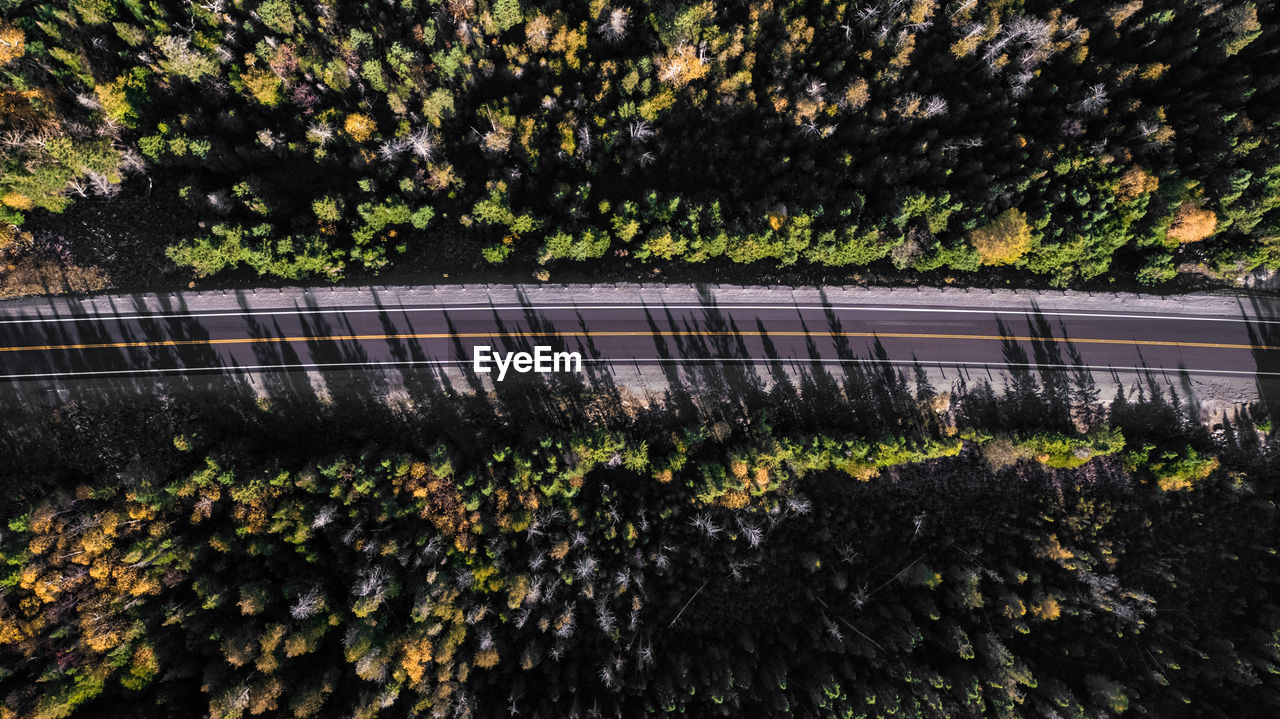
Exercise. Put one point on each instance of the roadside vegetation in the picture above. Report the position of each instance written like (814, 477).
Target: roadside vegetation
(870, 549)
(1086, 142)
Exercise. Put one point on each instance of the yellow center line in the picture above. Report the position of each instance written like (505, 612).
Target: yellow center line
(633, 333)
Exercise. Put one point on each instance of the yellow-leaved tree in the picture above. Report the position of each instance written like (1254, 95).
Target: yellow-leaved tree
(12, 43)
(1004, 240)
(359, 127)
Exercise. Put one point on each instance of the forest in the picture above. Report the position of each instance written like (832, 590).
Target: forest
(1057, 143)
(864, 547)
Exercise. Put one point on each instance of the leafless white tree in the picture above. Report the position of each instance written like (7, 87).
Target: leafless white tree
(860, 597)
(799, 504)
(307, 604)
(585, 567)
(320, 133)
(371, 583)
(832, 630)
(102, 185)
(434, 548)
(77, 187)
(704, 524)
(536, 588)
(463, 579)
(662, 561)
(350, 536)
(522, 617)
(614, 26)
(131, 160)
(566, 622)
(640, 130)
(1094, 101)
(605, 618)
(622, 578)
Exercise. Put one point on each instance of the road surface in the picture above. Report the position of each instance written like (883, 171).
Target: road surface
(126, 336)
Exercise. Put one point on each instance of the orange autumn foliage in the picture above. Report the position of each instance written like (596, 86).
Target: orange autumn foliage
(1192, 223)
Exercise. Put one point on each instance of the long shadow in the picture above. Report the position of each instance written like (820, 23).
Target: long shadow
(1262, 321)
(1085, 394)
(712, 372)
(537, 397)
(343, 364)
(860, 379)
(727, 342)
(1022, 390)
(1046, 351)
(594, 385)
(73, 336)
(782, 390)
(1066, 397)
(876, 391)
(469, 375)
(279, 385)
(423, 381)
(677, 396)
(816, 384)
(136, 350)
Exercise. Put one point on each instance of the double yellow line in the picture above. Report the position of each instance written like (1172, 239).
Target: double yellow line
(632, 333)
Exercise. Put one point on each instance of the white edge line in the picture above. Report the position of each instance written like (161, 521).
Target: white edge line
(621, 362)
(466, 308)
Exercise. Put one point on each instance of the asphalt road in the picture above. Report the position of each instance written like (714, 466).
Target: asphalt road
(72, 342)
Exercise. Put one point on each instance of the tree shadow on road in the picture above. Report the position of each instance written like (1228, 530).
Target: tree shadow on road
(700, 366)
(1262, 320)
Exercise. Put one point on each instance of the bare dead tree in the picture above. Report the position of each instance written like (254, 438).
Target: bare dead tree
(102, 185)
(420, 143)
(585, 567)
(307, 605)
(320, 133)
(640, 130)
(704, 524)
(614, 26)
(77, 187)
(389, 150)
(1094, 101)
